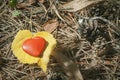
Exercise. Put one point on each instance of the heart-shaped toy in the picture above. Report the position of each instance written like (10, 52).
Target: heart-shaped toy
(34, 46)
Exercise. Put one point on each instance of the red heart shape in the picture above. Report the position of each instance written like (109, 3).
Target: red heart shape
(34, 46)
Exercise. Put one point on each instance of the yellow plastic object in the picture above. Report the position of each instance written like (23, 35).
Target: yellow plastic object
(23, 57)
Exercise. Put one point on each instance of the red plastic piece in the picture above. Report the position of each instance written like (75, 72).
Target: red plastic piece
(34, 46)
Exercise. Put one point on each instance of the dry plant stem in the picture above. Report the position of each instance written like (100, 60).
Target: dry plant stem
(57, 13)
(10, 74)
(32, 22)
(68, 65)
(113, 26)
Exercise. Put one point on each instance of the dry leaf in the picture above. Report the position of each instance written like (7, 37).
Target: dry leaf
(50, 26)
(76, 5)
(25, 4)
(23, 57)
(22, 5)
(41, 1)
(31, 1)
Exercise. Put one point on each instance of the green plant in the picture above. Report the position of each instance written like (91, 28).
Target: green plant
(13, 3)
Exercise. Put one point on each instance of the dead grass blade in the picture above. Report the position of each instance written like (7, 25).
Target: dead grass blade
(56, 12)
(76, 5)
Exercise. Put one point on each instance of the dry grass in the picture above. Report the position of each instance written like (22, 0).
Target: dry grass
(92, 42)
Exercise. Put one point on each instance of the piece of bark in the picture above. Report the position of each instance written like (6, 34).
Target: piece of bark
(76, 5)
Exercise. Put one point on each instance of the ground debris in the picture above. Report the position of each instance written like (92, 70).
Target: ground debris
(90, 38)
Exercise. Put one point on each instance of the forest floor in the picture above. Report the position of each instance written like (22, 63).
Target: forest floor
(90, 37)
